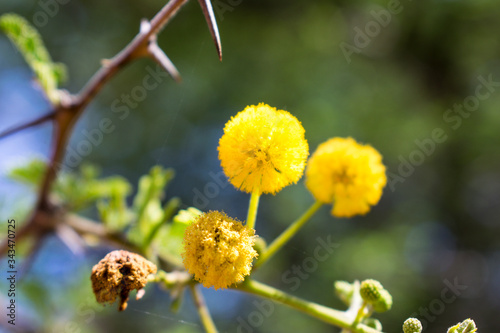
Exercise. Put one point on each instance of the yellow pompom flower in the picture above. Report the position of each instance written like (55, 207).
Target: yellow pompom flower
(263, 149)
(348, 174)
(218, 250)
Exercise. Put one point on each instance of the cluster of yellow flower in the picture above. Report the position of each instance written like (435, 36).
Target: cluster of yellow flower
(218, 250)
(262, 151)
(347, 174)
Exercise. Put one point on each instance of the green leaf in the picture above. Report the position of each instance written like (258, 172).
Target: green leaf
(147, 204)
(30, 174)
(79, 190)
(151, 187)
(168, 212)
(187, 216)
(168, 240)
(29, 43)
(114, 211)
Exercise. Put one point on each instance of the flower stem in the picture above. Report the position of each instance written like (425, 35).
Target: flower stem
(287, 234)
(252, 208)
(326, 314)
(205, 317)
(360, 314)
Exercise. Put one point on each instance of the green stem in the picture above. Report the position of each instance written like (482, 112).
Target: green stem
(287, 234)
(172, 279)
(326, 314)
(252, 208)
(360, 314)
(205, 317)
(356, 302)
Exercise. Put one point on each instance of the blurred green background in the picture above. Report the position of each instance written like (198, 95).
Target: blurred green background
(343, 68)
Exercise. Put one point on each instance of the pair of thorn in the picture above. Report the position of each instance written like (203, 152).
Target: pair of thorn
(153, 51)
(156, 53)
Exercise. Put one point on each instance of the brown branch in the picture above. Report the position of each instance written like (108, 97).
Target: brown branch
(63, 125)
(45, 215)
(138, 47)
(85, 227)
(71, 107)
(33, 123)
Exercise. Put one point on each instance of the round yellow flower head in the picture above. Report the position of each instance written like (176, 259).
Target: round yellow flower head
(263, 149)
(218, 250)
(347, 174)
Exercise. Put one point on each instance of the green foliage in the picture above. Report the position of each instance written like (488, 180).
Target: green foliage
(78, 190)
(28, 41)
(148, 222)
(343, 98)
(147, 209)
(30, 173)
(113, 210)
(174, 232)
(85, 188)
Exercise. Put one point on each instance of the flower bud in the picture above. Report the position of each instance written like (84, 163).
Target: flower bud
(467, 326)
(344, 291)
(374, 294)
(370, 291)
(412, 325)
(384, 303)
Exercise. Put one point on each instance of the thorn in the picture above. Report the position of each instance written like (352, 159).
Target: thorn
(71, 239)
(140, 294)
(145, 26)
(105, 62)
(161, 58)
(206, 6)
(29, 124)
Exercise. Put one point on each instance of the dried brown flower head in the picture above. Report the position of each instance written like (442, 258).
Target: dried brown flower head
(118, 274)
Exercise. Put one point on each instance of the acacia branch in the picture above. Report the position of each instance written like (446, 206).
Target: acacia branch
(33, 123)
(326, 314)
(137, 48)
(85, 227)
(70, 107)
